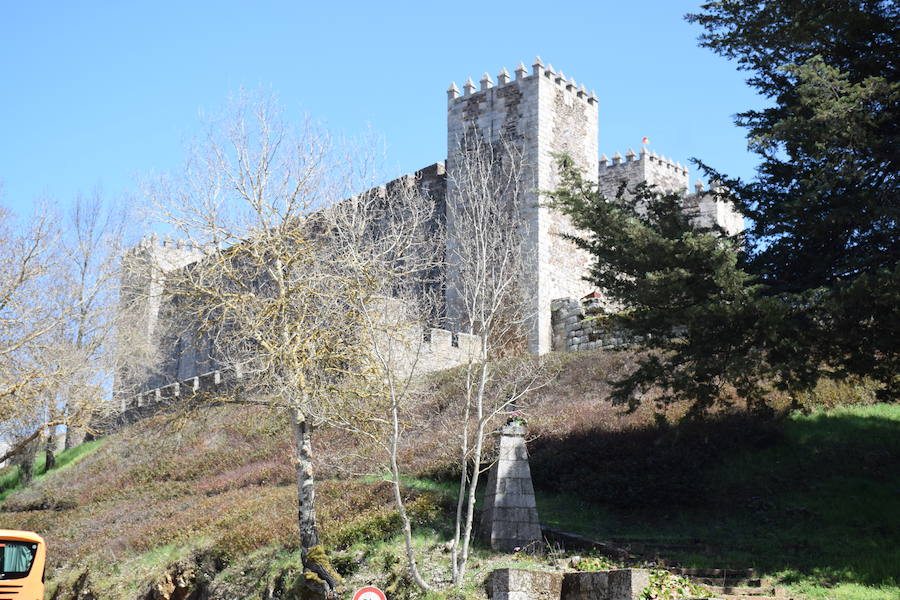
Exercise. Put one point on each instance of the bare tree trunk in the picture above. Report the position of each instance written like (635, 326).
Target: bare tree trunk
(306, 517)
(25, 460)
(20, 446)
(311, 553)
(463, 478)
(476, 465)
(398, 499)
(50, 449)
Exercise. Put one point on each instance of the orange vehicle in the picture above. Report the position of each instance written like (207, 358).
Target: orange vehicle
(22, 559)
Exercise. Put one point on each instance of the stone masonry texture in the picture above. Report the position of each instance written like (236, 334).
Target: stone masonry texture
(509, 520)
(520, 584)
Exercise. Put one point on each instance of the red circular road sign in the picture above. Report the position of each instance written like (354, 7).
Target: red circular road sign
(369, 593)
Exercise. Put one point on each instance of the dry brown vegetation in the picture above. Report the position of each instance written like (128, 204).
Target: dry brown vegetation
(219, 479)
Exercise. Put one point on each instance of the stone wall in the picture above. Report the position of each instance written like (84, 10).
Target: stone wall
(645, 167)
(542, 112)
(425, 350)
(578, 325)
(144, 269)
(180, 354)
(710, 209)
(521, 584)
(707, 208)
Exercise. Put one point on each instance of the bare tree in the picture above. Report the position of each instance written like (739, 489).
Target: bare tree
(392, 239)
(92, 245)
(270, 292)
(58, 298)
(483, 276)
(487, 182)
(27, 318)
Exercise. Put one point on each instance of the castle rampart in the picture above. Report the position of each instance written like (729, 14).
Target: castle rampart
(541, 113)
(423, 350)
(579, 325)
(645, 167)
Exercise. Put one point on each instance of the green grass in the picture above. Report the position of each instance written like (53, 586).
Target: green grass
(10, 478)
(817, 509)
(443, 487)
(140, 568)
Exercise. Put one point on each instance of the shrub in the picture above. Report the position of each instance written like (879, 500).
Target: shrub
(832, 393)
(666, 586)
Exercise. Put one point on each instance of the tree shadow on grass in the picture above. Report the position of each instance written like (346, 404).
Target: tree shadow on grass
(816, 495)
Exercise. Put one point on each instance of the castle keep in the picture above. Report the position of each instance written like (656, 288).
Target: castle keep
(543, 113)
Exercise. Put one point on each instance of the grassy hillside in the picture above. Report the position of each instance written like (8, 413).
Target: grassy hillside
(215, 482)
(813, 502)
(208, 494)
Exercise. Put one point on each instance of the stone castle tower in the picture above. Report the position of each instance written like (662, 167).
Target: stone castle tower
(545, 113)
(542, 112)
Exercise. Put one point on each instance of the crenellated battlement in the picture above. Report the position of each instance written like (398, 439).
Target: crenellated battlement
(153, 241)
(424, 350)
(542, 113)
(712, 208)
(538, 71)
(650, 157)
(645, 167)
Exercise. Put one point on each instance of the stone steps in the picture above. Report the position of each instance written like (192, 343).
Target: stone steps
(714, 573)
(726, 581)
(724, 584)
(751, 591)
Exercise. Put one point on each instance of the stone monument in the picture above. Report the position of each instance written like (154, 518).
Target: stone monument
(509, 521)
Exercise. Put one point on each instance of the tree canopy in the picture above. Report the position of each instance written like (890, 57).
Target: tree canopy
(812, 288)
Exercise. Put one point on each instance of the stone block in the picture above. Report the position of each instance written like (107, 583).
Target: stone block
(511, 486)
(527, 500)
(504, 530)
(529, 533)
(627, 584)
(593, 585)
(502, 513)
(523, 515)
(518, 580)
(519, 584)
(513, 468)
(512, 452)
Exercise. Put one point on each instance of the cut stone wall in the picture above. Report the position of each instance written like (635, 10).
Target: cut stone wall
(542, 112)
(578, 325)
(645, 167)
(709, 209)
(183, 354)
(424, 350)
(144, 269)
(521, 584)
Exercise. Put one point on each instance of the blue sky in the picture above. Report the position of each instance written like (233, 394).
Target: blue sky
(97, 94)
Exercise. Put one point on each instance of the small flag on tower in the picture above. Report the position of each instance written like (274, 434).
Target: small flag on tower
(645, 140)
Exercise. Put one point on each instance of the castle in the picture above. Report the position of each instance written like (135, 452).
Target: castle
(544, 113)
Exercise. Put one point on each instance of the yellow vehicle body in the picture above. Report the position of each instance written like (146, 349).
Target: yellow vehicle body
(23, 555)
